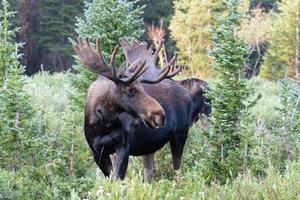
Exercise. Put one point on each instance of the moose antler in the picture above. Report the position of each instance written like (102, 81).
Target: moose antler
(134, 49)
(93, 58)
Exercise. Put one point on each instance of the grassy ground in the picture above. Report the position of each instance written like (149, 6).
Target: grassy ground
(67, 169)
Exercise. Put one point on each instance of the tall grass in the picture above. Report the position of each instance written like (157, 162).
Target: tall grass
(67, 170)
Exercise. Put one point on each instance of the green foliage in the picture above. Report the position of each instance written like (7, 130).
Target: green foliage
(290, 117)
(56, 25)
(156, 10)
(7, 47)
(45, 28)
(64, 166)
(284, 43)
(229, 98)
(16, 114)
(108, 20)
(190, 28)
(192, 186)
(59, 151)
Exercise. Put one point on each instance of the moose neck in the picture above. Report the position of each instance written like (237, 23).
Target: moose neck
(102, 104)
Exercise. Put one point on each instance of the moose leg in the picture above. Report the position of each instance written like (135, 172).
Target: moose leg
(104, 163)
(148, 161)
(129, 126)
(177, 146)
(113, 158)
(122, 158)
(122, 154)
(101, 154)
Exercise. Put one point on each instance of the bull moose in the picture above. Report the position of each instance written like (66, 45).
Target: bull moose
(117, 102)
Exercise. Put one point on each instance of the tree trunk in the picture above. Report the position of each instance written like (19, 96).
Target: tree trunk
(27, 20)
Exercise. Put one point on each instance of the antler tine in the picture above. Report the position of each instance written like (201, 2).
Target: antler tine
(165, 58)
(163, 74)
(79, 39)
(99, 49)
(173, 60)
(93, 58)
(134, 49)
(174, 72)
(76, 46)
(87, 41)
(172, 64)
(112, 61)
(113, 55)
(142, 71)
(134, 75)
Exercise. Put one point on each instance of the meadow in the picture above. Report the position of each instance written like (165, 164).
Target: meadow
(63, 166)
(248, 51)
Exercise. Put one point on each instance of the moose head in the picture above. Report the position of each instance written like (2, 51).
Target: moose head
(119, 90)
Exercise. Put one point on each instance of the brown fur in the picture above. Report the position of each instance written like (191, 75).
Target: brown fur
(106, 100)
(99, 95)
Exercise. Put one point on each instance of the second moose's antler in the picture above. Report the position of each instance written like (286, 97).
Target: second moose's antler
(134, 49)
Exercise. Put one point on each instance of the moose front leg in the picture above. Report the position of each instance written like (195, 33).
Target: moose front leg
(129, 125)
(101, 157)
(104, 164)
(122, 159)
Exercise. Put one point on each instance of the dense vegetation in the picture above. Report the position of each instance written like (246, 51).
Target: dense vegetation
(250, 151)
(65, 167)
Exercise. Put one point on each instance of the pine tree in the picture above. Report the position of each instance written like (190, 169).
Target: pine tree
(284, 50)
(16, 114)
(7, 48)
(108, 20)
(229, 97)
(56, 26)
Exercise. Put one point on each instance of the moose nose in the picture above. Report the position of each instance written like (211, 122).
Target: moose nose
(157, 119)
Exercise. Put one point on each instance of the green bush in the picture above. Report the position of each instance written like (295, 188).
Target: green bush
(229, 98)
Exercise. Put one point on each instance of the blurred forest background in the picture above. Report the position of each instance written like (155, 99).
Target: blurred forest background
(248, 51)
(270, 27)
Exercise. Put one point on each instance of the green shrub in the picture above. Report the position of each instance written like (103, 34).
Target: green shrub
(229, 97)
(17, 127)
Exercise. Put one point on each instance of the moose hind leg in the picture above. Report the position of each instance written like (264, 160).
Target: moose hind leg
(148, 161)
